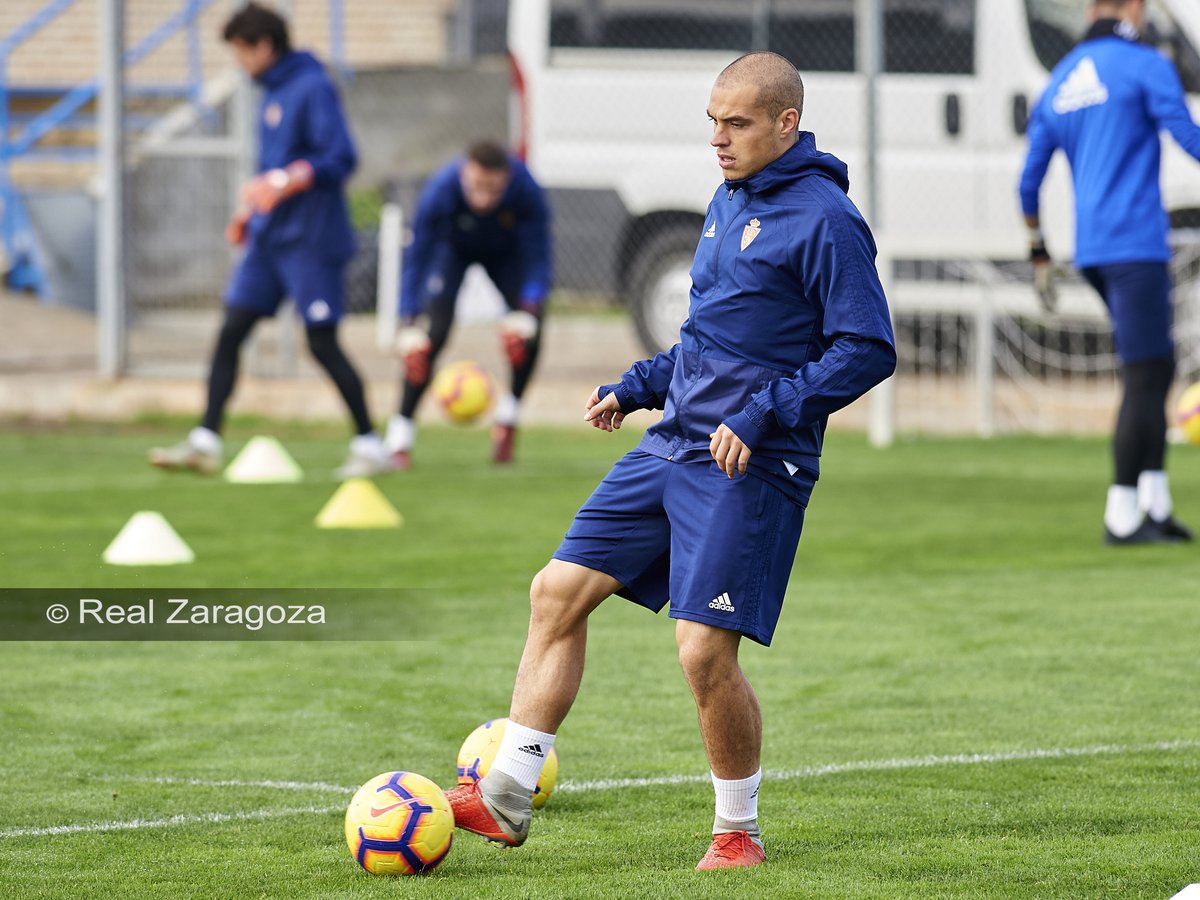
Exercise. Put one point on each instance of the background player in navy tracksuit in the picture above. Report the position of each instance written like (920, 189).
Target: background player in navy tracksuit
(1105, 105)
(787, 323)
(296, 231)
(485, 208)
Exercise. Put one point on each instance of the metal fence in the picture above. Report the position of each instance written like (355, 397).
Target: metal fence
(608, 101)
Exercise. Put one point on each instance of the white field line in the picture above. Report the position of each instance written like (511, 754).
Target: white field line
(605, 784)
(212, 818)
(319, 786)
(882, 765)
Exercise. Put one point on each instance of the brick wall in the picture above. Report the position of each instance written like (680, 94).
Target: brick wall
(377, 33)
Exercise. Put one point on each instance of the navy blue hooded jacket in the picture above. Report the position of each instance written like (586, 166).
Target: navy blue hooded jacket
(1105, 104)
(301, 118)
(787, 323)
(518, 229)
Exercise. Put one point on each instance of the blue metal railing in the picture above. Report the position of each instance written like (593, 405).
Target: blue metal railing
(25, 271)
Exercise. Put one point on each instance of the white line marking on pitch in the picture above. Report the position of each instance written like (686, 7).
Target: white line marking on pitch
(229, 782)
(605, 784)
(167, 822)
(881, 765)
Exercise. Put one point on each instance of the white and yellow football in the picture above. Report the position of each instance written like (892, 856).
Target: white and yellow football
(479, 752)
(399, 823)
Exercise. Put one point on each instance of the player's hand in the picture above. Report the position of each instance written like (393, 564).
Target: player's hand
(266, 191)
(235, 231)
(516, 329)
(603, 414)
(1043, 276)
(728, 451)
(414, 347)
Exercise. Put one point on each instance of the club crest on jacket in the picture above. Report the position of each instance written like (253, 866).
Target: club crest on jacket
(750, 232)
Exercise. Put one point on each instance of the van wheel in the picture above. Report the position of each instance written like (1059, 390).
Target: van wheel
(660, 284)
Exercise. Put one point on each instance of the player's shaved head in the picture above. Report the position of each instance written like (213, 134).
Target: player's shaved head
(779, 84)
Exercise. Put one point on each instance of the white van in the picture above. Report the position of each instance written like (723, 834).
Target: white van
(610, 100)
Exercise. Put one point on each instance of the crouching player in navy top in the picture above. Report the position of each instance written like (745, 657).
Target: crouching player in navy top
(787, 323)
(484, 207)
(1105, 105)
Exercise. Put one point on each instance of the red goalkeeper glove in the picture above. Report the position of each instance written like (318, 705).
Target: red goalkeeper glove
(414, 347)
(517, 329)
(266, 191)
(235, 231)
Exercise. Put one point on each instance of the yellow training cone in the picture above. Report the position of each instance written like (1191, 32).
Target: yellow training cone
(358, 504)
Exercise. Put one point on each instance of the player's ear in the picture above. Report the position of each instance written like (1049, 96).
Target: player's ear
(789, 122)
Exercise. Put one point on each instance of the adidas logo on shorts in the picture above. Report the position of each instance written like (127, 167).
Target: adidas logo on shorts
(722, 603)
(533, 750)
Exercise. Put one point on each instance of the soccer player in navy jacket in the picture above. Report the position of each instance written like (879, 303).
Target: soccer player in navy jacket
(484, 207)
(296, 232)
(787, 323)
(1105, 105)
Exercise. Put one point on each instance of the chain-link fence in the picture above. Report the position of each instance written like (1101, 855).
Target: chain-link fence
(612, 114)
(607, 100)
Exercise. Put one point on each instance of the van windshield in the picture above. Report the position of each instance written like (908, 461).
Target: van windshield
(1055, 26)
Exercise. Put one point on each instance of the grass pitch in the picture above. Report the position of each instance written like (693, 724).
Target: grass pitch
(968, 695)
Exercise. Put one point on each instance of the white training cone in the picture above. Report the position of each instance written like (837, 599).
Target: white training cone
(148, 540)
(263, 461)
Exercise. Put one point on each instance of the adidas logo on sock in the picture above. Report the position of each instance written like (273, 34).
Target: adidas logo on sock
(722, 603)
(533, 750)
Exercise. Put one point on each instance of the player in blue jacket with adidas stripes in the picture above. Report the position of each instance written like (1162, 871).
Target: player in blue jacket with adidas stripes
(788, 323)
(1105, 105)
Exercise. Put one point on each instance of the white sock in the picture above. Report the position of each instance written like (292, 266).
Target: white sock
(522, 753)
(205, 439)
(401, 433)
(737, 799)
(1154, 496)
(508, 408)
(1121, 513)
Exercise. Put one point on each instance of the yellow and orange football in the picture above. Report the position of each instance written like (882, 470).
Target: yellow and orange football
(464, 390)
(399, 823)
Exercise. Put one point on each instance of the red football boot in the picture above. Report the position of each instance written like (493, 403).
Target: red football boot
(732, 850)
(503, 439)
(473, 813)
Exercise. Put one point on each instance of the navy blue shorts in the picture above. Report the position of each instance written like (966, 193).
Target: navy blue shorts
(720, 549)
(1138, 297)
(262, 280)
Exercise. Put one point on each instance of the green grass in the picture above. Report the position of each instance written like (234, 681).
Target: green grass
(1003, 707)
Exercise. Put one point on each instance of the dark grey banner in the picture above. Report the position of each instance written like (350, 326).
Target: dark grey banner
(210, 614)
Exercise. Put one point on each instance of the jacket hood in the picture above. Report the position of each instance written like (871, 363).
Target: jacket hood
(289, 65)
(801, 159)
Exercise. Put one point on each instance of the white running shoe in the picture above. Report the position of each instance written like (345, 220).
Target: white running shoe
(368, 456)
(200, 452)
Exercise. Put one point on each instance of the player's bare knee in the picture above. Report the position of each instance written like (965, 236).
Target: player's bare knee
(707, 655)
(552, 605)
